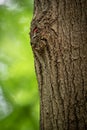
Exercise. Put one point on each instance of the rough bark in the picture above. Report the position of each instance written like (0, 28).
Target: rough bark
(59, 44)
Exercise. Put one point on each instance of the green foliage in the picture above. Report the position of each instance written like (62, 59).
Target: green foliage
(19, 99)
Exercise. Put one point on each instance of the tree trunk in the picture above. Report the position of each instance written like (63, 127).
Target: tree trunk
(59, 43)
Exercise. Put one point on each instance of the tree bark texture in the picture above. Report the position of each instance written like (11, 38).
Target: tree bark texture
(59, 43)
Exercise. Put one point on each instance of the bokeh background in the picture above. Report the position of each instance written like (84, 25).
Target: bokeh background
(19, 97)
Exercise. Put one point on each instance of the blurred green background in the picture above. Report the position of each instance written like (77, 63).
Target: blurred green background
(19, 98)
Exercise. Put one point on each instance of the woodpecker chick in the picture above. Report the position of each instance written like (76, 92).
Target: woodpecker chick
(35, 32)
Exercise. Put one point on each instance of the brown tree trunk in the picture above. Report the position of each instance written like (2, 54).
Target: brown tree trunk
(59, 43)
